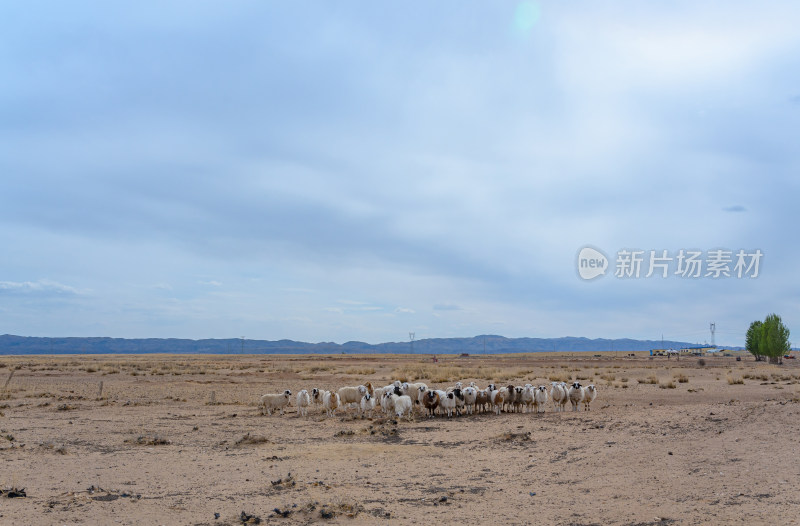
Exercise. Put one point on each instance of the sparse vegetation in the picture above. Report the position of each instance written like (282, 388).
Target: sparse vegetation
(150, 440)
(734, 380)
(252, 440)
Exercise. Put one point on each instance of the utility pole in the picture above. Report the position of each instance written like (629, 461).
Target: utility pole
(411, 336)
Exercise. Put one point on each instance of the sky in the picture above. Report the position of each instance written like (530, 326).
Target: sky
(336, 171)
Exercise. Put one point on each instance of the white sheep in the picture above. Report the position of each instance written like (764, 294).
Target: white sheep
(269, 402)
(351, 395)
(540, 398)
(402, 405)
(576, 395)
(470, 397)
(387, 401)
(447, 403)
(527, 398)
(414, 390)
(589, 394)
(330, 402)
(560, 396)
(303, 401)
(367, 404)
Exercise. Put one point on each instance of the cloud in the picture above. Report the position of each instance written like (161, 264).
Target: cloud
(404, 310)
(42, 288)
(395, 167)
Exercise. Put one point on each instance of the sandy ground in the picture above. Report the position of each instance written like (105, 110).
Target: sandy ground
(154, 447)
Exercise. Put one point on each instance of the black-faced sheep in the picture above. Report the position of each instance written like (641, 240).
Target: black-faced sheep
(430, 401)
(576, 395)
(540, 398)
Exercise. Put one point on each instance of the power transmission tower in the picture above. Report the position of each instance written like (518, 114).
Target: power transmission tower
(713, 330)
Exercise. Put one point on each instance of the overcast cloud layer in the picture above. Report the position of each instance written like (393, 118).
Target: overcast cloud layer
(329, 171)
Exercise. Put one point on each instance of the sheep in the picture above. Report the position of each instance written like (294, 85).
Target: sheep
(402, 405)
(527, 398)
(351, 395)
(415, 391)
(430, 401)
(274, 401)
(482, 400)
(330, 401)
(367, 404)
(303, 401)
(460, 400)
(378, 393)
(509, 397)
(387, 402)
(470, 396)
(576, 395)
(497, 398)
(518, 399)
(559, 395)
(316, 396)
(540, 398)
(448, 403)
(589, 394)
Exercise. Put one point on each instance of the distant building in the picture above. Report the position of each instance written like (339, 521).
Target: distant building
(698, 351)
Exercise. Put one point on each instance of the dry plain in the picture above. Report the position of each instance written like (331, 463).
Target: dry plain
(178, 439)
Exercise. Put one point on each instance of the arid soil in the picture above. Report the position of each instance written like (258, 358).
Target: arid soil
(179, 440)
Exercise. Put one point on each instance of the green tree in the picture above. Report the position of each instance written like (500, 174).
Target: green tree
(753, 339)
(774, 340)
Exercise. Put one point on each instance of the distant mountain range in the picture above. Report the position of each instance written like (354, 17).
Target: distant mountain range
(489, 344)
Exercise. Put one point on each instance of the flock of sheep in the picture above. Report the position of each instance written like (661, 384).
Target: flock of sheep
(402, 398)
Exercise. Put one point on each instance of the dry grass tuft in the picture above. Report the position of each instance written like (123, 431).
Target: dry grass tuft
(651, 380)
(252, 440)
(668, 385)
(508, 436)
(148, 440)
(734, 380)
(682, 378)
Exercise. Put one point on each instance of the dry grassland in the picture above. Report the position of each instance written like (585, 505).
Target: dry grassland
(166, 439)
